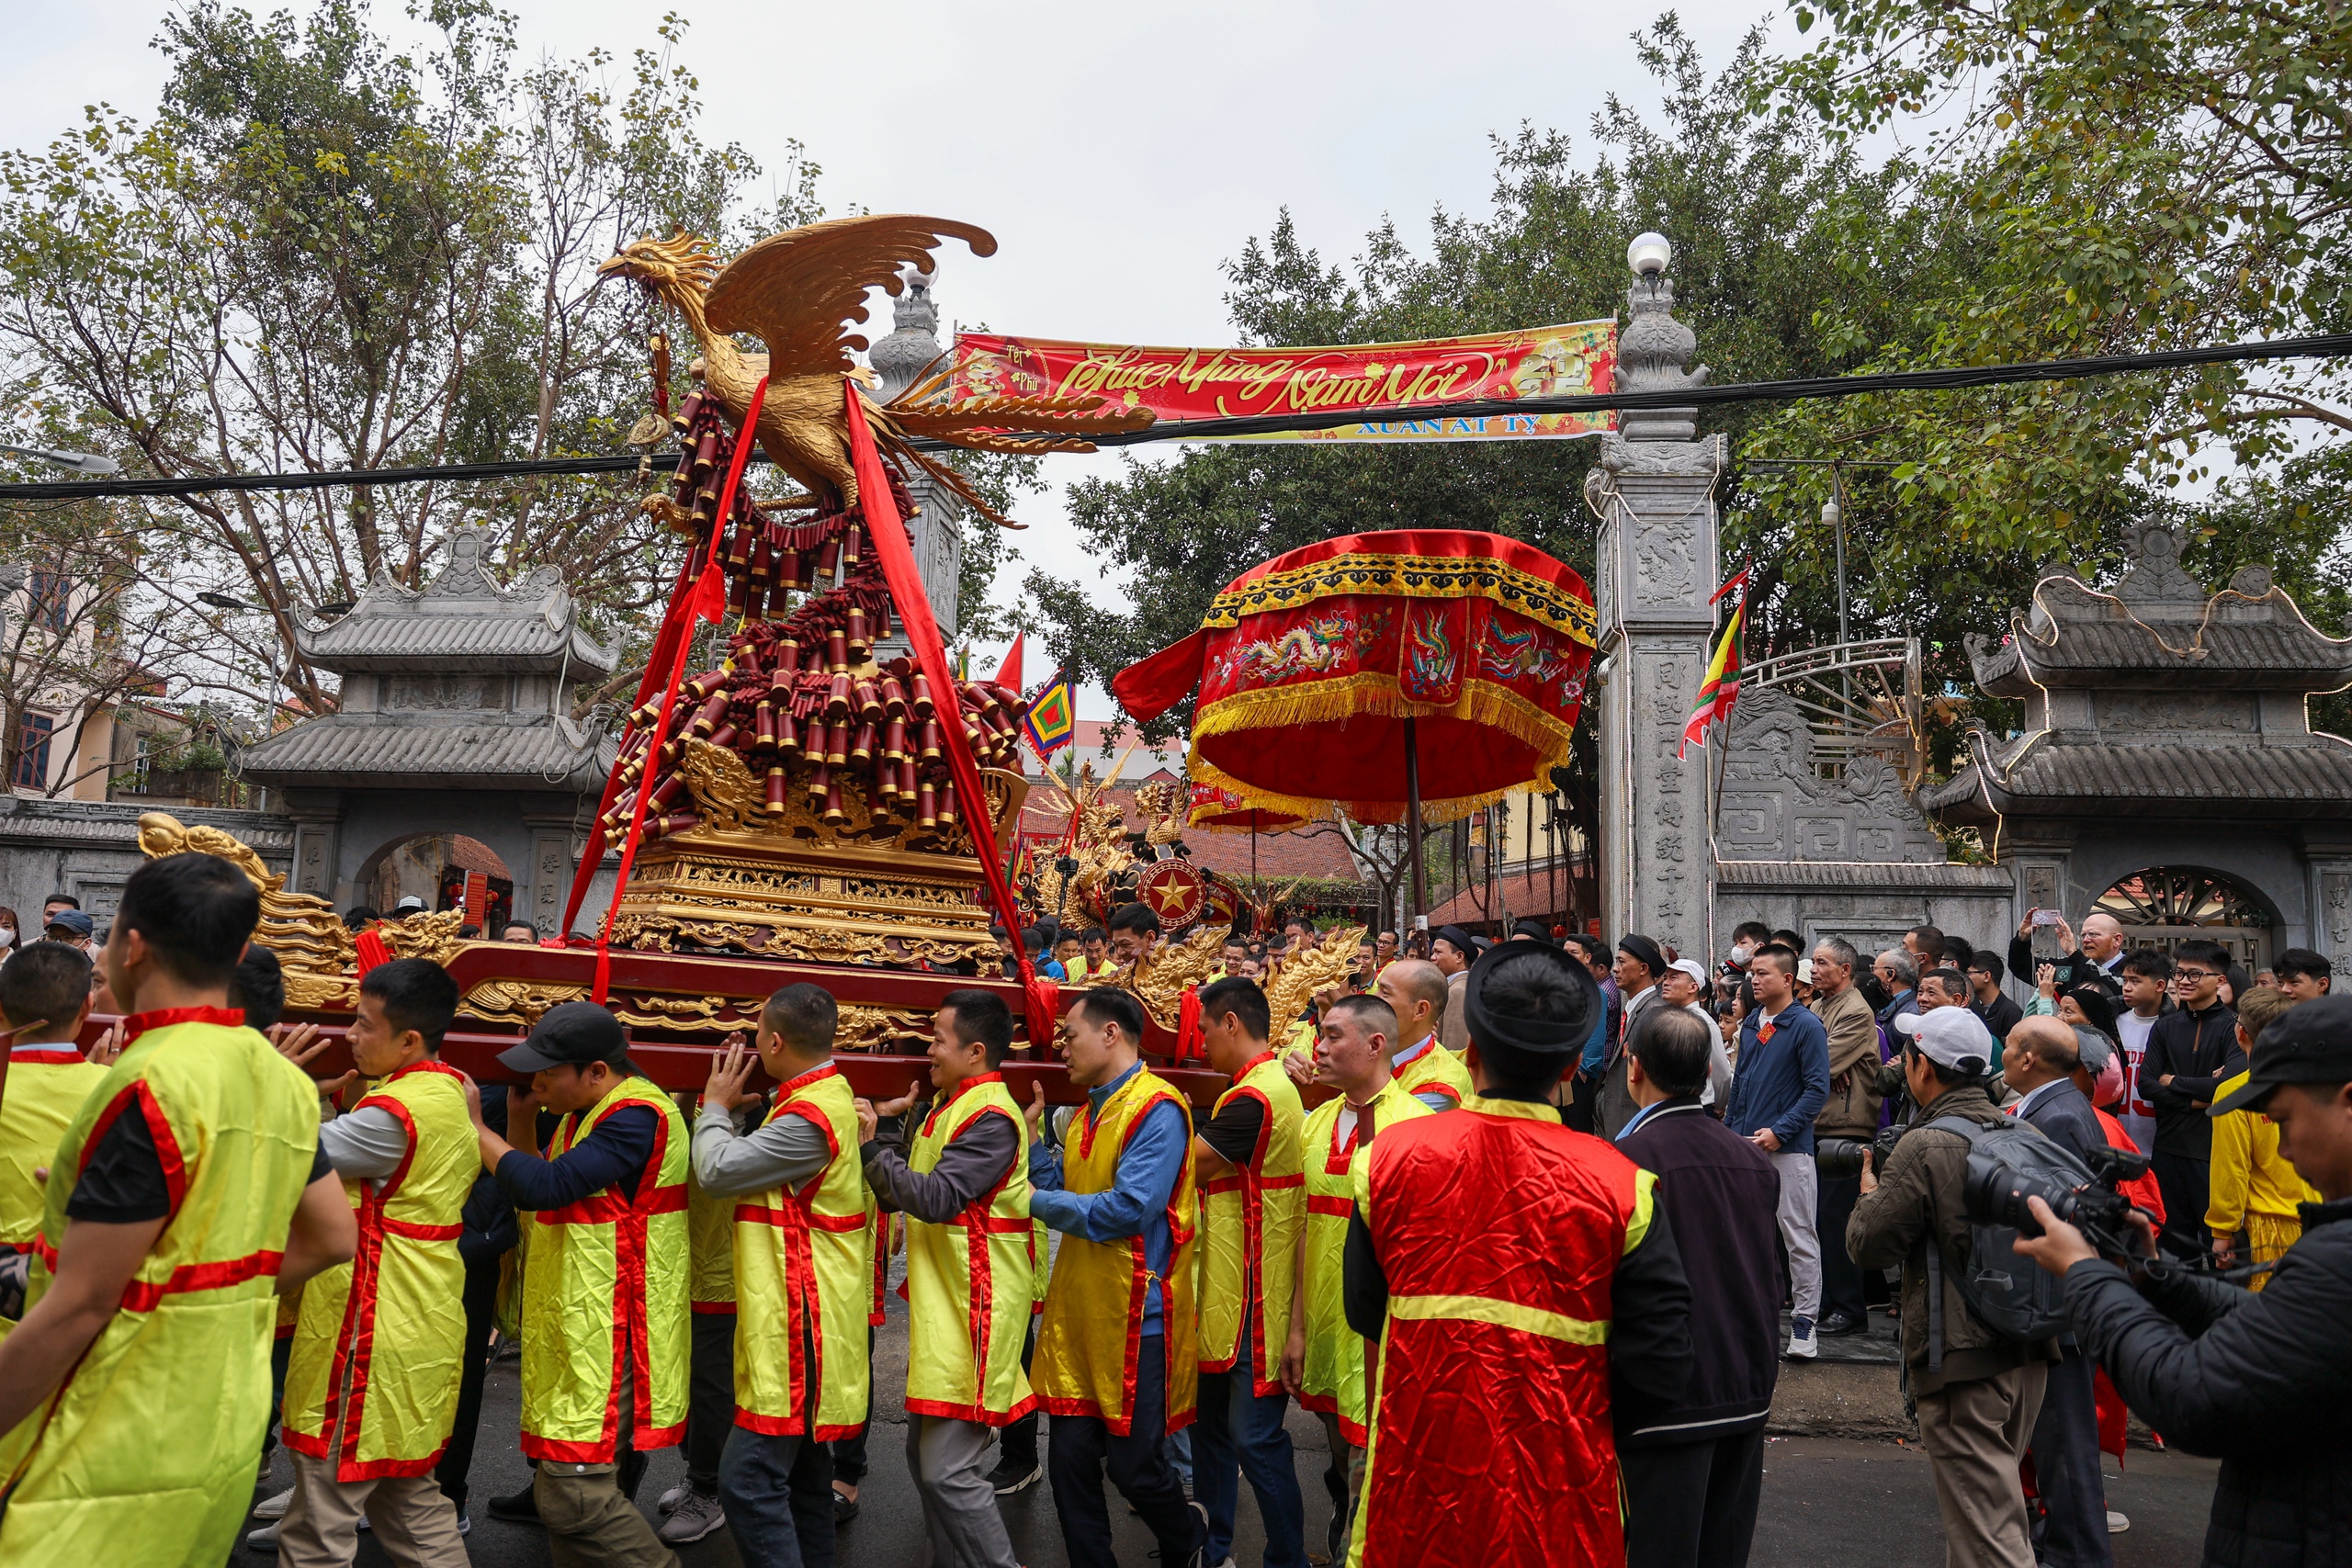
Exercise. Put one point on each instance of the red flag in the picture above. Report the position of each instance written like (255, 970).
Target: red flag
(373, 951)
(1008, 674)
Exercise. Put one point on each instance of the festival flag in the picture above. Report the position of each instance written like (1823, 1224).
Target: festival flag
(1008, 674)
(1052, 717)
(1720, 690)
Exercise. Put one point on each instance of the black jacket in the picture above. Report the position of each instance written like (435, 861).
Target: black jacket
(2072, 969)
(2262, 1380)
(1719, 1194)
(2200, 1049)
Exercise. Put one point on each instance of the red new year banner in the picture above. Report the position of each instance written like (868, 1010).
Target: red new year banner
(1220, 383)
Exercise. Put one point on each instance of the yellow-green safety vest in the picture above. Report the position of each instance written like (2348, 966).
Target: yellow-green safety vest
(47, 1085)
(1249, 1221)
(968, 1281)
(803, 1279)
(380, 1340)
(1090, 1333)
(1332, 1383)
(143, 1455)
(604, 1279)
(1436, 1070)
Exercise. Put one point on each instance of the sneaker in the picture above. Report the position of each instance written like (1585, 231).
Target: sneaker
(274, 1508)
(695, 1516)
(669, 1501)
(1013, 1476)
(265, 1537)
(464, 1522)
(516, 1507)
(2116, 1523)
(1803, 1346)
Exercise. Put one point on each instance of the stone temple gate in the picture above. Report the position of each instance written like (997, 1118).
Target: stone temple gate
(454, 720)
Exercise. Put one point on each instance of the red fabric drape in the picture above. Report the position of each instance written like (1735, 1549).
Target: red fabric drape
(678, 616)
(707, 600)
(888, 532)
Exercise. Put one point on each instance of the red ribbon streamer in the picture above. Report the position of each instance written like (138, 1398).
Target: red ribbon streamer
(888, 532)
(707, 600)
(679, 612)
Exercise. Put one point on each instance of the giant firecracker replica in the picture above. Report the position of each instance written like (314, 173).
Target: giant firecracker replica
(806, 808)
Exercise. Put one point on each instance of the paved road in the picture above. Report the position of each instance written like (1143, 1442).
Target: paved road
(1828, 1502)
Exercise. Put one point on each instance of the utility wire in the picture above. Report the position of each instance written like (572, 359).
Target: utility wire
(2331, 345)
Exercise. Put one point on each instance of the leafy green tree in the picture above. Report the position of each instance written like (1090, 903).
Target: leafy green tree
(323, 254)
(1758, 205)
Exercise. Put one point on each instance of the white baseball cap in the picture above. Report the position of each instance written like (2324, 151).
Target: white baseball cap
(1953, 1037)
(1693, 967)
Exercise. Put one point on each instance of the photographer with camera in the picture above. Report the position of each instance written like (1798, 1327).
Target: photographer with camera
(1976, 1388)
(2261, 1381)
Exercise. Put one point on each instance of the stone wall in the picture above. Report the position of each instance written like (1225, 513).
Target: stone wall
(90, 848)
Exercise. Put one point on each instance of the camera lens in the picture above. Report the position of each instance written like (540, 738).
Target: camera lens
(1996, 1194)
(1838, 1157)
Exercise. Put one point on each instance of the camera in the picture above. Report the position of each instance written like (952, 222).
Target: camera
(1839, 1157)
(1996, 1193)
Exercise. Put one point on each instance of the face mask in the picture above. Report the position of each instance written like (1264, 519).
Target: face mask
(1742, 954)
(7, 935)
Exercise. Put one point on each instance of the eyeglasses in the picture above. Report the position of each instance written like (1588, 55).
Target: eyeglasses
(2190, 976)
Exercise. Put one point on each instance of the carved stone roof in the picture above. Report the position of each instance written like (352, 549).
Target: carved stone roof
(461, 621)
(1863, 875)
(2037, 777)
(2159, 626)
(379, 750)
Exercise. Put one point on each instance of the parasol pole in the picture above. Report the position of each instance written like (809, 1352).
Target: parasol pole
(1413, 818)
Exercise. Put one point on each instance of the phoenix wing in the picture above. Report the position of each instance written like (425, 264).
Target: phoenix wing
(794, 291)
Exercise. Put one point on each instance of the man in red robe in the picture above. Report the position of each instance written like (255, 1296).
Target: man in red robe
(1512, 1272)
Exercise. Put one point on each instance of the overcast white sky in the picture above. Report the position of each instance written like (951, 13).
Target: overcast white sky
(1119, 153)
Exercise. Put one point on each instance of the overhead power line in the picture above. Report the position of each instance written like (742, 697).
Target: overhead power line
(2331, 345)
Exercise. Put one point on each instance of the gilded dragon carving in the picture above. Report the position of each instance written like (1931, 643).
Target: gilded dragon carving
(1296, 978)
(313, 946)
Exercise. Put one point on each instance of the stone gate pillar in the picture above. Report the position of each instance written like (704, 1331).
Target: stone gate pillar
(1656, 565)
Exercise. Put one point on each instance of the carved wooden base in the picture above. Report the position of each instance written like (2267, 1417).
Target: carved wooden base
(764, 894)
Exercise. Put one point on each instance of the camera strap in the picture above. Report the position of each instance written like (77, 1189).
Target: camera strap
(1935, 1304)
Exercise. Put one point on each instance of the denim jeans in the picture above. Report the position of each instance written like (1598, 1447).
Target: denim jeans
(1078, 1449)
(1241, 1433)
(778, 1497)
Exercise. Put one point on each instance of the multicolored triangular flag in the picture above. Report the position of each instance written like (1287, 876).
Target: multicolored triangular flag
(1052, 718)
(1720, 690)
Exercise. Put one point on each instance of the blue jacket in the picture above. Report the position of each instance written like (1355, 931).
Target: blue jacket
(1782, 1084)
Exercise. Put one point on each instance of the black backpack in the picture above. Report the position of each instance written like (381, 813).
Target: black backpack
(2011, 1295)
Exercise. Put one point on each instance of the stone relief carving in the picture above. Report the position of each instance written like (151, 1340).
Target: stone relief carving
(2136, 714)
(1788, 811)
(2154, 576)
(1663, 570)
(2336, 903)
(445, 692)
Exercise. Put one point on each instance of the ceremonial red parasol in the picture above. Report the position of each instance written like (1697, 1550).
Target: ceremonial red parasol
(1222, 811)
(1416, 675)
